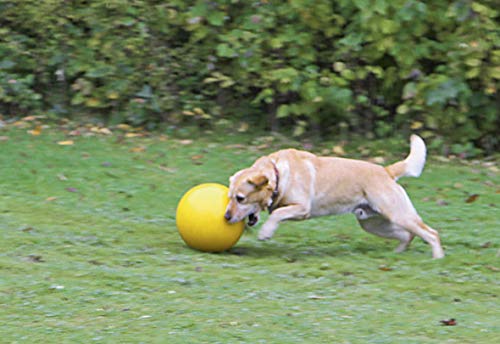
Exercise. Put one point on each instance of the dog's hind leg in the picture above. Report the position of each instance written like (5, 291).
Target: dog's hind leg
(395, 206)
(377, 224)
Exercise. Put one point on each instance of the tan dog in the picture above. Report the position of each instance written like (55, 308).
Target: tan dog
(297, 185)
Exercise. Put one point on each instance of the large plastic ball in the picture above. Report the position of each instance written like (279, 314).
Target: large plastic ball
(200, 219)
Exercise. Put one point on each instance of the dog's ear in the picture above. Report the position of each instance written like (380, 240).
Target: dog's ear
(258, 180)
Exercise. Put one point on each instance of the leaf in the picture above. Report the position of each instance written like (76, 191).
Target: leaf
(65, 143)
(243, 127)
(315, 297)
(442, 202)
(472, 198)
(449, 322)
(139, 149)
(124, 127)
(283, 111)
(72, 189)
(36, 131)
(416, 125)
(93, 102)
(385, 268)
(131, 135)
(216, 18)
(409, 91)
(146, 92)
(62, 177)
(105, 131)
(113, 95)
(224, 50)
(34, 258)
(196, 159)
(50, 199)
(338, 150)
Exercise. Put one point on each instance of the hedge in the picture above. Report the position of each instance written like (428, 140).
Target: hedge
(371, 67)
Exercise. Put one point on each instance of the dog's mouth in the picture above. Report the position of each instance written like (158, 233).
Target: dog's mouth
(252, 219)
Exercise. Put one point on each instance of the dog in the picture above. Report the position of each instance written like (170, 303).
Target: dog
(297, 185)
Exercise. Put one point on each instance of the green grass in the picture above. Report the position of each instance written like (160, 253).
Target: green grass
(89, 253)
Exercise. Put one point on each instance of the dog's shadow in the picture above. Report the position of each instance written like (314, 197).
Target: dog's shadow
(293, 252)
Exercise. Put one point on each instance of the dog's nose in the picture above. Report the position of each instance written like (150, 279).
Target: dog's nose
(227, 215)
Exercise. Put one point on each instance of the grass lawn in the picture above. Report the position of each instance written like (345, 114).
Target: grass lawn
(89, 252)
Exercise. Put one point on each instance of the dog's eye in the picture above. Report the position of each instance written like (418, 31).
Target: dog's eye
(240, 199)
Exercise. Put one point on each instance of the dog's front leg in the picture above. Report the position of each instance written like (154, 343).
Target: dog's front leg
(291, 212)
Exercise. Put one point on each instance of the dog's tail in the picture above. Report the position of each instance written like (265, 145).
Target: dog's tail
(414, 163)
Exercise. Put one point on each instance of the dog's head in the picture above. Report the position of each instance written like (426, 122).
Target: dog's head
(250, 192)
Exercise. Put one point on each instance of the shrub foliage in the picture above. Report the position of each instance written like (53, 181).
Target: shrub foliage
(366, 66)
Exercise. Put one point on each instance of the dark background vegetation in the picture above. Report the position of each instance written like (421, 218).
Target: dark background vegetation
(307, 67)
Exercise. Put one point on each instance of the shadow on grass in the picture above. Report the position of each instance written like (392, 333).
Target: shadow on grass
(295, 252)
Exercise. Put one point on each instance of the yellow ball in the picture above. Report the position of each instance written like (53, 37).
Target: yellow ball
(200, 219)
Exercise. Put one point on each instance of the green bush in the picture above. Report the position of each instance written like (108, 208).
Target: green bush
(364, 66)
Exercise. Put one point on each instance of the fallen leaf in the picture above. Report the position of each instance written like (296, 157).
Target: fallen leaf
(130, 135)
(378, 160)
(30, 118)
(124, 127)
(338, 150)
(36, 131)
(243, 127)
(139, 149)
(105, 131)
(185, 142)
(472, 198)
(449, 322)
(196, 159)
(385, 268)
(492, 268)
(35, 258)
(72, 189)
(50, 199)
(168, 169)
(56, 287)
(4, 138)
(441, 202)
(315, 297)
(66, 143)
(62, 177)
